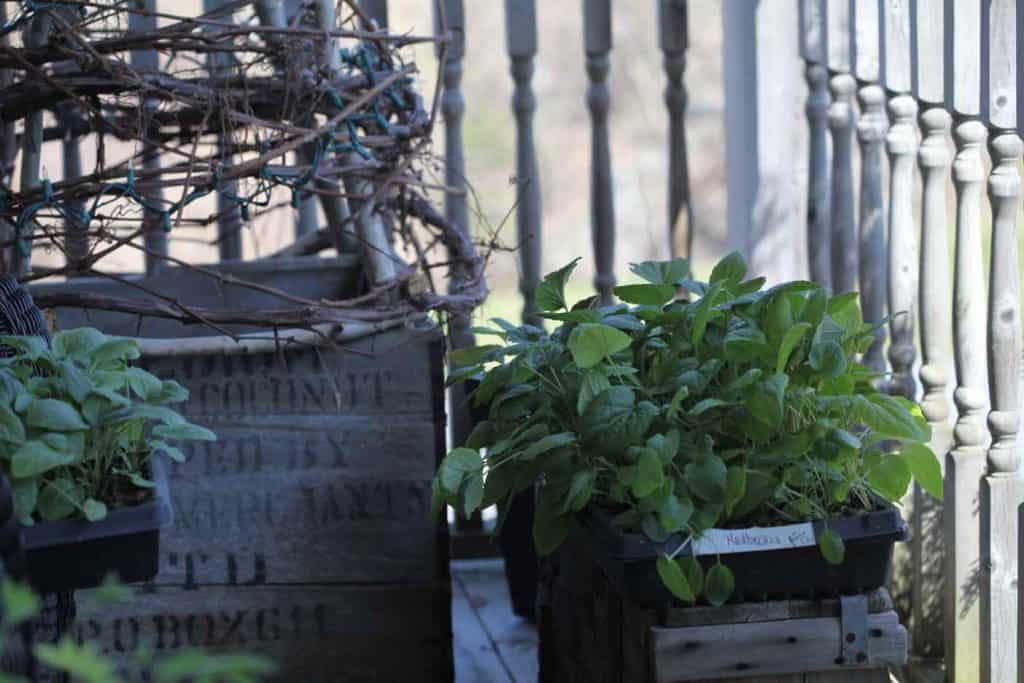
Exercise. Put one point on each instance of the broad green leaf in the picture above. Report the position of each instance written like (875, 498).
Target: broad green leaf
(674, 513)
(735, 487)
(792, 338)
(672, 576)
(592, 384)
(828, 358)
(472, 493)
(888, 416)
(703, 313)
(730, 270)
(779, 318)
(53, 415)
(77, 343)
(32, 347)
(139, 481)
(832, 547)
(666, 445)
(25, 493)
(759, 487)
(75, 381)
(694, 572)
(548, 443)
(457, 465)
(705, 405)
(20, 603)
(581, 488)
(650, 474)
(662, 272)
(765, 400)
(719, 584)
(60, 498)
(707, 479)
(11, 428)
(924, 467)
(845, 439)
(890, 477)
(35, 457)
(94, 510)
(473, 355)
(609, 410)
(743, 344)
(677, 401)
(114, 351)
(591, 343)
(185, 431)
(551, 290)
(143, 383)
(549, 532)
(649, 295)
(172, 452)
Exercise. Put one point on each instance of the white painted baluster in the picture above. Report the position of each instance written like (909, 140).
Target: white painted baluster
(901, 145)
(521, 38)
(812, 49)
(927, 544)
(871, 127)
(597, 32)
(673, 41)
(965, 465)
(1003, 488)
(840, 117)
(154, 236)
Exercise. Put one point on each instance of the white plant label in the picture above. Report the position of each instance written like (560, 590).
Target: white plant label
(725, 541)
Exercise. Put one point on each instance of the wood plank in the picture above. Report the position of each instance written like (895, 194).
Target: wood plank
(963, 56)
(326, 635)
(839, 37)
(999, 58)
(769, 648)
(476, 657)
(896, 29)
(927, 52)
(1001, 496)
(812, 30)
(483, 582)
(867, 53)
(879, 601)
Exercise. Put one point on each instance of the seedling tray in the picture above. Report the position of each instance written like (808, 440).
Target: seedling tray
(768, 563)
(75, 553)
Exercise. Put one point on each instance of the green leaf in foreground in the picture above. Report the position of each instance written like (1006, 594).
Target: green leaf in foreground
(719, 584)
(674, 578)
(590, 343)
(924, 467)
(890, 477)
(832, 547)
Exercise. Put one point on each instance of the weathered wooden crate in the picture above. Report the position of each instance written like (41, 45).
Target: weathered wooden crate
(590, 634)
(304, 532)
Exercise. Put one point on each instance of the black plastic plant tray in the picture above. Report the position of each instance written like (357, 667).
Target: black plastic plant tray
(75, 553)
(629, 559)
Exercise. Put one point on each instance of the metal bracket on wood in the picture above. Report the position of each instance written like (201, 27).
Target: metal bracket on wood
(853, 616)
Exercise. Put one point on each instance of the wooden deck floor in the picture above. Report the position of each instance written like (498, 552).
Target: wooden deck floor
(492, 645)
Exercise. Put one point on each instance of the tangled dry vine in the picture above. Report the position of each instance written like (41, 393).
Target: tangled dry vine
(236, 103)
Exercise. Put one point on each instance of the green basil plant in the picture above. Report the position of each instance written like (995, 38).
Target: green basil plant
(742, 407)
(79, 424)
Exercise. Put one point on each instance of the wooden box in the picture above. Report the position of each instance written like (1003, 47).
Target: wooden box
(590, 634)
(304, 532)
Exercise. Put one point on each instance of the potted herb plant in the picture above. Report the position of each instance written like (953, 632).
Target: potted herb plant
(730, 446)
(81, 433)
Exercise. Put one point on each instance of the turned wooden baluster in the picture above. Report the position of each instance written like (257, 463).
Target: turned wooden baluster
(840, 117)
(597, 32)
(871, 128)
(935, 318)
(154, 237)
(965, 465)
(673, 42)
(229, 215)
(901, 145)
(1003, 488)
(521, 39)
(812, 49)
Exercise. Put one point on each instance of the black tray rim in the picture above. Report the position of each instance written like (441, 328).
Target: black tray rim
(882, 525)
(125, 521)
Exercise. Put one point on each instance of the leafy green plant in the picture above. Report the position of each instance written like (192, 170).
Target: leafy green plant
(745, 406)
(84, 663)
(78, 424)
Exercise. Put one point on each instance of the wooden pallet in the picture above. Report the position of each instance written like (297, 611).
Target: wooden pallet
(589, 633)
